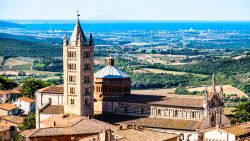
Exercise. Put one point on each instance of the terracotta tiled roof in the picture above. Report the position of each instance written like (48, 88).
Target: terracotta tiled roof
(145, 135)
(26, 99)
(62, 120)
(239, 129)
(28, 133)
(13, 119)
(160, 100)
(4, 128)
(7, 106)
(52, 89)
(16, 90)
(53, 109)
(3, 92)
(164, 123)
(81, 127)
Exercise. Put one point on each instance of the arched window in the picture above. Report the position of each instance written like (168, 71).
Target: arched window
(87, 101)
(159, 112)
(193, 114)
(176, 113)
(72, 101)
(72, 90)
(212, 120)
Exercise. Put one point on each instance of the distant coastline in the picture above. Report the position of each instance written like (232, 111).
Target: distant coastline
(120, 25)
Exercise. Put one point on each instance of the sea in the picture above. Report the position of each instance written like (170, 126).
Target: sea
(108, 26)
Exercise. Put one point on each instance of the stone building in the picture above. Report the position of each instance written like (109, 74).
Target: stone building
(76, 94)
(185, 116)
(109, 91)
(78, 63)
(110, 82)
(64, 127)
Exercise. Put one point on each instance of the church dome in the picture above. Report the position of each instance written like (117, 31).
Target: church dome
(111, 71)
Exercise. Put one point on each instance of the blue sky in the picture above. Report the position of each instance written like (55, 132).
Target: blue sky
(126, 9)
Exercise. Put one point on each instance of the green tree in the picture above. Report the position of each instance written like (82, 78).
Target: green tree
(6, 83)
(30, 85)
(153, 51)
(242, 112)
(19, 138)
(29, 122)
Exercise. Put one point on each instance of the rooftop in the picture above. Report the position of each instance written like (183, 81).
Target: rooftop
(13, 119)
(53, 109)
(160, 100)
(4, 128)
(147, 122)
(26, 99)
(52, 89)
(110, 72)
(164, 123)
(61, 120)
(16, 90)
(78, 33)
(238, 129)
(82, 125)
(3, 92)
(145, 135)
(7, 106)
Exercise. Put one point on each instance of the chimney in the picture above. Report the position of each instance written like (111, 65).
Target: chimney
(89, 116)
(111, 61)
(108, 135)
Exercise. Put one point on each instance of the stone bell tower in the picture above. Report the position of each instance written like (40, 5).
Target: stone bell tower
(78, 63)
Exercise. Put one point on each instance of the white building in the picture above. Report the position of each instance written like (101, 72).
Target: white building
(26, 104)
(8, 109)
(4, 96)
(10, 95)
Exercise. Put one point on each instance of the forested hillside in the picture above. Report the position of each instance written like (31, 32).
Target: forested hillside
(14, 47)
(226, 66)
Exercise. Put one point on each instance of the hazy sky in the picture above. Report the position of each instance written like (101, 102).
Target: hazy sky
(126, 9)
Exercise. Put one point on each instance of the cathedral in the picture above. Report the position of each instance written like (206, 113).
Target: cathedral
(109, 91)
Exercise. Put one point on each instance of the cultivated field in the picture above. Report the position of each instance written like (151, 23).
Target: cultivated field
(228, 89)
(154, 91)
(40, 72)
(149, 70)
(170, 92)
(163, 59)
(17, 64)
(52, 77)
